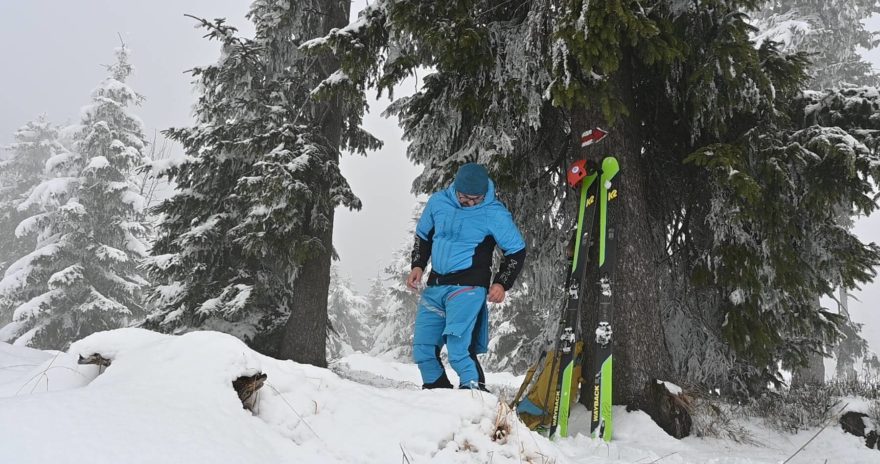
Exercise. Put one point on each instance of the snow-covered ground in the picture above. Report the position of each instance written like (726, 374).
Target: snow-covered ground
(169, 399)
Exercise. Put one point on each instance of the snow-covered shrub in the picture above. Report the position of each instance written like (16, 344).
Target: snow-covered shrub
(797, 409)
(789, 410)
(858, 391)
(713, 417)
(868, 389)
(812, 406)
(349, 321)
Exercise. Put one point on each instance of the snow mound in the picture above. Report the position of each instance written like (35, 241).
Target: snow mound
(170, 399)
(12, 357)
(17, 362)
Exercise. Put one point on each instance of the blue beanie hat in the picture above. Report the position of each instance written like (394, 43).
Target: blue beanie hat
(472, 179)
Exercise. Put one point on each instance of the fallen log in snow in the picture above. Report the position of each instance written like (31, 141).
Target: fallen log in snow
(95, 358)
(669, 407)
(246, 387)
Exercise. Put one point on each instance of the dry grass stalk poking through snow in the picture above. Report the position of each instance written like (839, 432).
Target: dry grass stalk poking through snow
(502, 423)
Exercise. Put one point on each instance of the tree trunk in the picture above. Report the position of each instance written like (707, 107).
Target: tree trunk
(639, 346)
(845, 369)
(305, 334)
(813, 373)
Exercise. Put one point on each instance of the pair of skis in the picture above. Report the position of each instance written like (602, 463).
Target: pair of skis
(598, 184)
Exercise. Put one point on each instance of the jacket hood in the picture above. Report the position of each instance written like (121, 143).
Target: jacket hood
(450, 195)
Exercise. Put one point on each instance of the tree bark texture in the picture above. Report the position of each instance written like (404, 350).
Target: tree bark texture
(814, 372)
(305, 334)
(811, 374)
(639, 347)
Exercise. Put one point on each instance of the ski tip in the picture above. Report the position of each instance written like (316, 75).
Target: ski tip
(610, 167)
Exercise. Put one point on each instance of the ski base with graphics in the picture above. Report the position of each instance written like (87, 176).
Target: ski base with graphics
(601, 367)
(571, 317)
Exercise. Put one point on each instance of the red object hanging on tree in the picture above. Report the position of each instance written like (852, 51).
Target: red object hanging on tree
(592, 136)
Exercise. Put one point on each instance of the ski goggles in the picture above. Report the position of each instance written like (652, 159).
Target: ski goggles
(469, 200)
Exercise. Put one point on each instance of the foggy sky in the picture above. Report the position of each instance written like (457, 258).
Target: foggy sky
(51, 54)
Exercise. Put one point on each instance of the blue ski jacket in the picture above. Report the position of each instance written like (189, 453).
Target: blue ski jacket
(460, 241)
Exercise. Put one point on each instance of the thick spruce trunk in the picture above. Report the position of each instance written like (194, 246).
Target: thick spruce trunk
(640, 354)
(811, 374)
(814, 372)
(305, 334)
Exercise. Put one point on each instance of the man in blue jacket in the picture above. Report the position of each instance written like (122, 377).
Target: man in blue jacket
(458, 231)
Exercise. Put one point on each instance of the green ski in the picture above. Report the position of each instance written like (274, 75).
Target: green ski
(571, 317)
(601, 368)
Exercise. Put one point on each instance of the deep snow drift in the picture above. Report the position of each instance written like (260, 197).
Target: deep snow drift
(169, 399)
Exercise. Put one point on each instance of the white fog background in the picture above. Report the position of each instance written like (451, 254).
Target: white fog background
(51, 56)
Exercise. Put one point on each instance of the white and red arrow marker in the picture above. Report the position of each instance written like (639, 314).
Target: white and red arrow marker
(592, 136)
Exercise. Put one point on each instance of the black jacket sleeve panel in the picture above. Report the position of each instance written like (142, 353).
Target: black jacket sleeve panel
(511, 265)
(422, 251)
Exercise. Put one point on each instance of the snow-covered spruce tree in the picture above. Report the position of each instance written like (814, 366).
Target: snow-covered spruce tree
(349, 317)
(831, 31)
(245, 246)
(83, 275)
(376, 295)
(513, 85)
(513, 331)
(24, 169)
(20, 172)
(778, 236)
(852, 347)
(152, 186)
(395, 309)
(397, 314)
(871, 368)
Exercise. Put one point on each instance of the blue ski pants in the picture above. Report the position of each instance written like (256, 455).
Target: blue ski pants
(448, 314)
